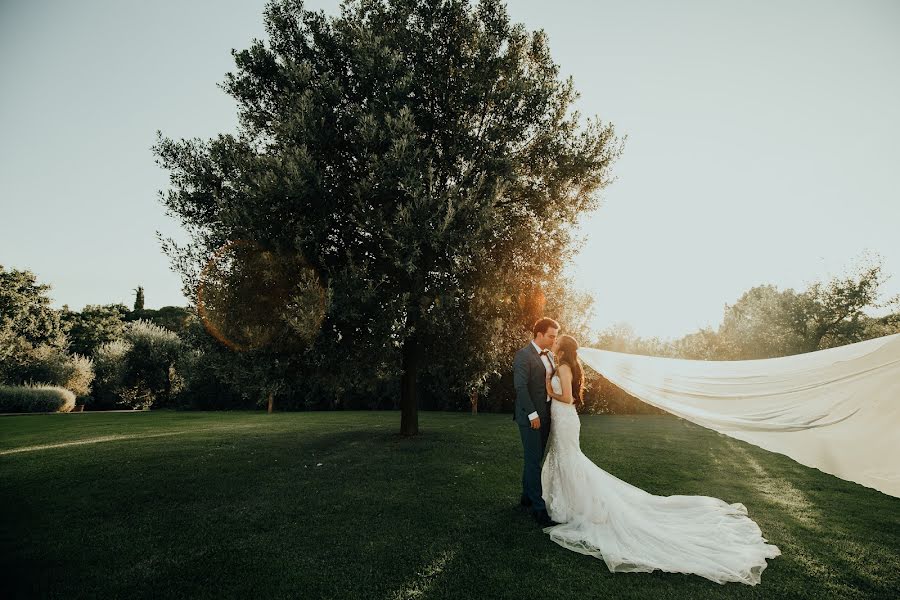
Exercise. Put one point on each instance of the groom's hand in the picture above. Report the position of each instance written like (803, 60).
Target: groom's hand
(536, 423)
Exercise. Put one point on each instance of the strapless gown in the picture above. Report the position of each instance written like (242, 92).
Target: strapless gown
(632, 530)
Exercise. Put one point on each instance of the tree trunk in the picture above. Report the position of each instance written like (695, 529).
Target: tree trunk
(412, 353)
(271, 402)
(474, 400)
(409, 412)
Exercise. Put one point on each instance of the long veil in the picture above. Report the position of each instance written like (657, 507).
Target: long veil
(837, 410)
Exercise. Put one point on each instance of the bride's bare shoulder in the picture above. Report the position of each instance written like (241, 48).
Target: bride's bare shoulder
(565, 369)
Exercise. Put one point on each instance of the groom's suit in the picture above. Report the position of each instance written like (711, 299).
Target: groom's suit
(529, 376)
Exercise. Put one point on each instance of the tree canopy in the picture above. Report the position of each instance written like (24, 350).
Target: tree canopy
(27, 320)
(767, 322)
(419, 156)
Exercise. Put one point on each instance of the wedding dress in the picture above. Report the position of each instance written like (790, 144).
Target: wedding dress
(634, 531)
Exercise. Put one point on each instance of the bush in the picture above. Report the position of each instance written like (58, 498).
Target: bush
(139, 371)
(151, 362)
(14, 352)
(205, 374)
(110, 367)
(136, 396)
(196, 380)
(35, 398)
(94, 326)
(52, 366)
(173, 318)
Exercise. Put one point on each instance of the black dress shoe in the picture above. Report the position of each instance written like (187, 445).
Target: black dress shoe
(525, 501)
(543, 518)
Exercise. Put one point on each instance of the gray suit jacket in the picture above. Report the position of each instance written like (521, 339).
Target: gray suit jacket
(529, 375)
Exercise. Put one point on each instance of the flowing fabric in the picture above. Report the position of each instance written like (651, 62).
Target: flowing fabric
(634, 531)
(837, 410)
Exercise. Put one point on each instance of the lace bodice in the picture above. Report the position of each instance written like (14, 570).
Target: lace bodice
(556, 385)
(559, 405)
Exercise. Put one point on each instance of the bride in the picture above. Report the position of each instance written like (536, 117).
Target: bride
(630, 529)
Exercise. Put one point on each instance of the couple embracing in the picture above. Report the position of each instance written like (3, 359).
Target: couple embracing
(590, 511)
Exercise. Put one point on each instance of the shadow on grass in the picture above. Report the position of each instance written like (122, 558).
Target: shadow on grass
(341, 506)
(328, 513)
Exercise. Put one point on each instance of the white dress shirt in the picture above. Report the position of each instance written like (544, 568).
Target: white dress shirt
(545, 358)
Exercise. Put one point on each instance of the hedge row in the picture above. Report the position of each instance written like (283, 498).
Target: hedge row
(35, 398)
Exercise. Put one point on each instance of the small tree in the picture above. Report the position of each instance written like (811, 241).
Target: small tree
(94, 326)
(833, 313)
(152, 354)
(139, 298)
(110, 365)
(139, 370)
(26, 321)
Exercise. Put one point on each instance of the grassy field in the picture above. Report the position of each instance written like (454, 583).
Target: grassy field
(336, 505)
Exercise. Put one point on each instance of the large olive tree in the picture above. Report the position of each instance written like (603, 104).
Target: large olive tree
(420, 156)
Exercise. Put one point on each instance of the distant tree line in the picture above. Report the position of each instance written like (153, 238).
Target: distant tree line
(107, 356)
(766, 322)
(110, 356)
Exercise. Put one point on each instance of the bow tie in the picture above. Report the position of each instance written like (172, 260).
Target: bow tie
(545, 352)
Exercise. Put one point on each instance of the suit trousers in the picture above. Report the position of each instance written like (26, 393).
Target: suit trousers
(534, 441)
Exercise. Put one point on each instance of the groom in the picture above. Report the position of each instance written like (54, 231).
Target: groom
(531, 411)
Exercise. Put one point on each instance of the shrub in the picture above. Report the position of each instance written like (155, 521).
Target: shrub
(151, 361)
(79, 375)
(139, 371)
(93, 326)
(52, 366)
(173, 318)
(110, 367)
(191, 377)
(35, 398)
(136, 396)
(200, 385)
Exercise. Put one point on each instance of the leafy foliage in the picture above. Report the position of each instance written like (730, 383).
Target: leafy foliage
(110, 368)
(419, 157)
(766, 322)
(173, 318)
(35, 398)
(139, 298)
(93, 326)
(139, 370)
(150, 361)
(52, 366)
(26, 320)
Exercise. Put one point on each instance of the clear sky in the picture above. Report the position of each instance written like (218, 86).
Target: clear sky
(763, 141)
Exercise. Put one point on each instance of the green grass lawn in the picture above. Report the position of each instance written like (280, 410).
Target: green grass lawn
(337, 505)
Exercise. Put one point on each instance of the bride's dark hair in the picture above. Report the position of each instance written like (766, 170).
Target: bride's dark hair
(568, 348)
